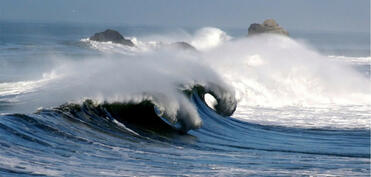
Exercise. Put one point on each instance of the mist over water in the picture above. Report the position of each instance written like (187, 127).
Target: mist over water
(280, 81)
(279, 71)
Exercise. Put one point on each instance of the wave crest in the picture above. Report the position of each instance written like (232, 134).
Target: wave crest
(155, 112)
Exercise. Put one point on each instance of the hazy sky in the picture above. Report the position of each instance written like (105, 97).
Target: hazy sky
(339, 15)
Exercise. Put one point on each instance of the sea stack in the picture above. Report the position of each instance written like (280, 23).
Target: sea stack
(113, 36)
(268, 26)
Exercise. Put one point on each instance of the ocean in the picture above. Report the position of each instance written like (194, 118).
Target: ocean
(264, 105)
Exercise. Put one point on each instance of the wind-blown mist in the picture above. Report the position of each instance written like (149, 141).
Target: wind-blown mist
(281, 81)
(277, 71)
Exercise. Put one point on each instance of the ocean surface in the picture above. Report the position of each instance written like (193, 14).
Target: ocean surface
(233, 105)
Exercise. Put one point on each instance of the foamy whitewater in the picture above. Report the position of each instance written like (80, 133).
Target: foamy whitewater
(261, 105)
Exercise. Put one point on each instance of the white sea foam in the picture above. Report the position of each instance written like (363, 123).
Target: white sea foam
(21, 87)
(277, 71)
(27, 167)
(203, 39)
(353, 60)
(109, 47)
(279, 81)
(207, 38)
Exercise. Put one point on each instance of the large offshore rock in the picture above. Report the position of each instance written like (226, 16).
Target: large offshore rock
(111, 35)
(268, 26)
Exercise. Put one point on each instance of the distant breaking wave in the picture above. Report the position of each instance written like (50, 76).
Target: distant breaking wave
(353, 60)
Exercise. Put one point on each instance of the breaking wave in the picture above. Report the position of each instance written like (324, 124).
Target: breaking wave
(262, 72)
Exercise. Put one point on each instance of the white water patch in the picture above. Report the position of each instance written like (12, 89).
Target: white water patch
(31, 167)
(22, 87)
(140, 47)
(332, 117)
(114, 48)
(280, 81)
(203, 39)
(207, 38)
(352, 60)
(277, 71)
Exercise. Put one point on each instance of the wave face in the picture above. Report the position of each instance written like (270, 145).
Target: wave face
(128, 139)
(264, 106)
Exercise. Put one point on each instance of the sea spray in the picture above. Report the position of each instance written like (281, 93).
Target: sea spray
(271, 70)
(209, 37)
(280, 81)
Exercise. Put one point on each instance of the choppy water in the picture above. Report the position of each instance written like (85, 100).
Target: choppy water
(74, 107)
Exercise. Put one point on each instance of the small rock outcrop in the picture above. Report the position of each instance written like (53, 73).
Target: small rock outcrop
(268, 26)
(111, 35)
(183, 45)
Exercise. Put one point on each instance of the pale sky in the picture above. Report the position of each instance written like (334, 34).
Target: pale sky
(329, 15)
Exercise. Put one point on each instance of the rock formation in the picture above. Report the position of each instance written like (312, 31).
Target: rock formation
(183, 45)
(111, 35)
(268, 26)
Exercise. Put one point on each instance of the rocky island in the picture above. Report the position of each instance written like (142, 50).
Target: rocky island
(268, 26)
(111, 35)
